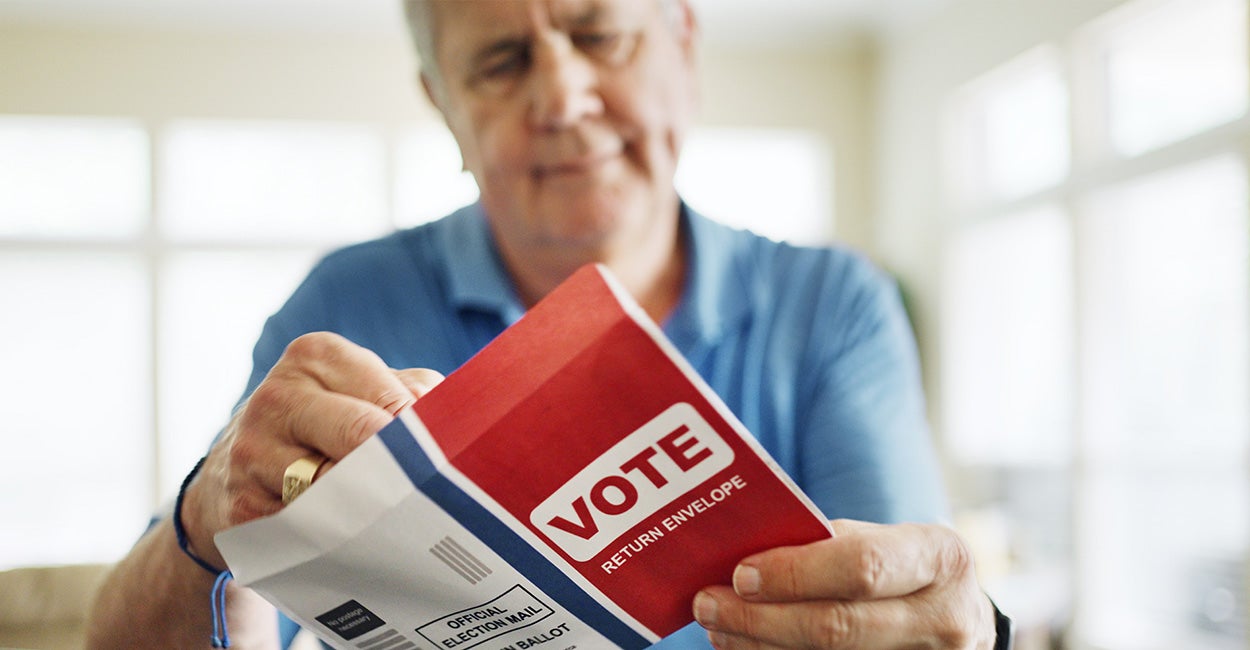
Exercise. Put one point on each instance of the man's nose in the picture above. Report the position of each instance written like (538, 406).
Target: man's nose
(564, 85)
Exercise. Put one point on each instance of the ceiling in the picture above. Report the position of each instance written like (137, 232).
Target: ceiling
(727, 21)
(785, 21)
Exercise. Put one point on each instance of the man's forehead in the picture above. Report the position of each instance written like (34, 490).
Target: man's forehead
(510, 16)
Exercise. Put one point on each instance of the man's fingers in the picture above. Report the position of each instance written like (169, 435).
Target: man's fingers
(419, 380)
(870, 586)
(334, 424)
(330, 426)
(328, 395)
(849, 526)
(325, 396)
(357, 419)
(735, 624)
(340, 366)
(863, 562)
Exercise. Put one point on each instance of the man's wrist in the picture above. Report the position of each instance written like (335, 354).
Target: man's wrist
(180, 530)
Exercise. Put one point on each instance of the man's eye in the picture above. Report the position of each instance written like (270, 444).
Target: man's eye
(595, 39)
(608, 46)
(504, 65)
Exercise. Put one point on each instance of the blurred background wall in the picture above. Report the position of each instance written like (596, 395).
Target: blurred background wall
(1060, 187)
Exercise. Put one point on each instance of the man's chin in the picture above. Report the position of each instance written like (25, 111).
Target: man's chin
(585, 220)
(588, 234)
(598, 220)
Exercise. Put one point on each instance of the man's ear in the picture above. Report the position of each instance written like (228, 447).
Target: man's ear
(686, 24)
(686, 29)
(433, 92)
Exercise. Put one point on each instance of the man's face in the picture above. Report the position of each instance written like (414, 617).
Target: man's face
(569, 113)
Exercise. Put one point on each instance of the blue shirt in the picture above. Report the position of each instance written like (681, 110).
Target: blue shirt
(810, 347)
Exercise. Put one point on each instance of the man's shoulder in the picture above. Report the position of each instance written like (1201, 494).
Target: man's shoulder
(839, 263)
(386, 249)
(785, 265)
(368, 284)
(411, 253)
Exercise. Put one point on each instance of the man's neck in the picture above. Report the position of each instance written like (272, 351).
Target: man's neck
(652, 268)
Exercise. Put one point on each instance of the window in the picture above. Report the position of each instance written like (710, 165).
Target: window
(72, 177)
(73, 338)
(1167, 419)
(127, 330)
(1166, 312)
(1012, 133)
(1095, 358)
(1008, 309)
(264, 181)
(76, 371)
(429, 181)
(1172, 70)
(775, 182)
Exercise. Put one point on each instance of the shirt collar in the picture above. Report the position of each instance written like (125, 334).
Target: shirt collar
(715, 297)
(476, 277)
(710, 303)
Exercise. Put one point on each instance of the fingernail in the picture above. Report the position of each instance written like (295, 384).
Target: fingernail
(746, 580)
(705, 609)
(719, 640)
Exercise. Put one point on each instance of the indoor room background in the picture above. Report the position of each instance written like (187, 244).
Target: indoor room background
(1059, 186)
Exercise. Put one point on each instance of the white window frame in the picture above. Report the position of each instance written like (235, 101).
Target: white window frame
(1094, 165)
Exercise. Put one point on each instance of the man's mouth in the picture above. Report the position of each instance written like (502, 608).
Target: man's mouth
(569, 167)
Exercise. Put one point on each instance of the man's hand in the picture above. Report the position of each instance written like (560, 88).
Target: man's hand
(324, 397)
(871, 586)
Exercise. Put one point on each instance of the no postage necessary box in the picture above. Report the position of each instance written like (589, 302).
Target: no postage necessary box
(575, 483)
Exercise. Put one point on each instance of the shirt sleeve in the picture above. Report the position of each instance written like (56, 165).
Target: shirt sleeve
(866, 450)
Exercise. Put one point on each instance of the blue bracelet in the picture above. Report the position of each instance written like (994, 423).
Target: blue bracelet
(180, 531)
(216, 597)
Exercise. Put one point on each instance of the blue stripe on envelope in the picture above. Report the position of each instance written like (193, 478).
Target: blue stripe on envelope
(501, 539)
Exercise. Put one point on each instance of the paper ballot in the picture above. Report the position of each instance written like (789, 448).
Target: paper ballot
(573, 485)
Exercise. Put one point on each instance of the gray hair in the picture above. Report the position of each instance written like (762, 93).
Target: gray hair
(420, 16)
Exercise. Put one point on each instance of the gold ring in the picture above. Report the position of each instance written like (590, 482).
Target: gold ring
(299, 475)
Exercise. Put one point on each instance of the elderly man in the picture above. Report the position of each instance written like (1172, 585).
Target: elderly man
(570, 114)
